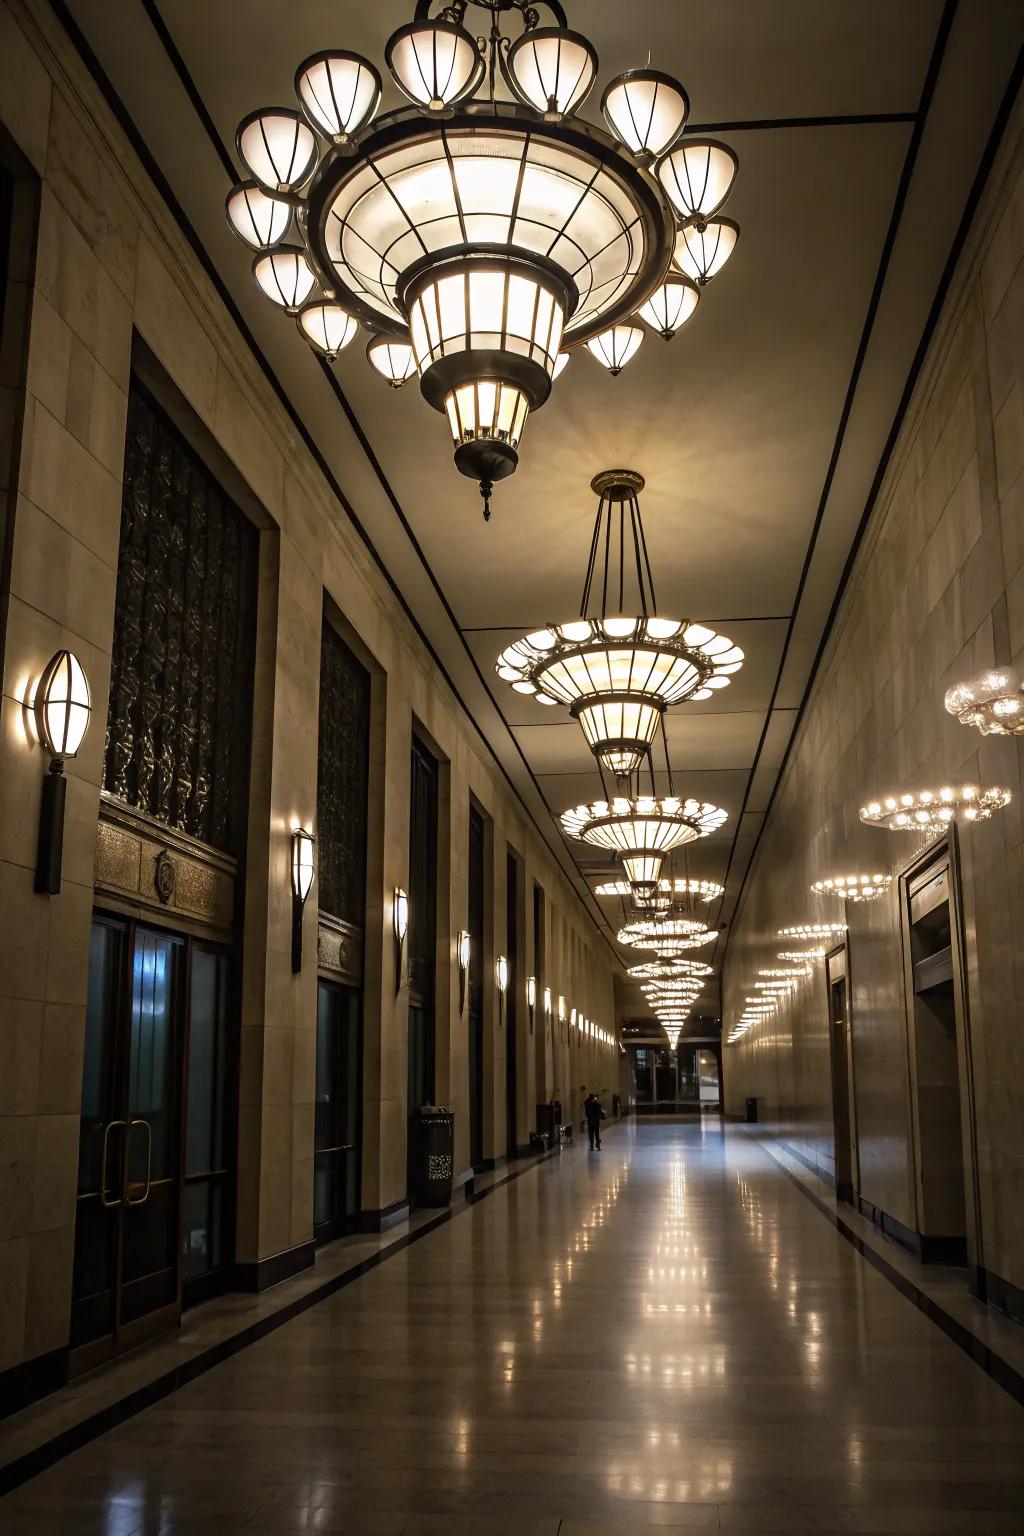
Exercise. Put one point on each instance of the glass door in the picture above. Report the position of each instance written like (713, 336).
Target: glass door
(126, 1271)
(210, 1131)
(336, 1188)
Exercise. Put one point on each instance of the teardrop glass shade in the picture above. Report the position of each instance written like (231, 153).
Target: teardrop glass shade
(258, 219)
(277, 148)
(393, 360)
(285, 276)
(614, 347)
(551, 70)
(339, 92)
(670, 306)
(327, 327)
(435, 63)
(646, 111)
(702, 250)
(698, 176)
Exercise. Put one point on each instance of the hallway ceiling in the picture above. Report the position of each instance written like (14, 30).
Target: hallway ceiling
(760, 428)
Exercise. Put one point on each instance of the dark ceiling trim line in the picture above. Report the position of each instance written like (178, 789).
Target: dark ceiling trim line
(499, 629)
(1013, 89)
(194, 95)
(899, 202)
(842, 120)
(148, 161)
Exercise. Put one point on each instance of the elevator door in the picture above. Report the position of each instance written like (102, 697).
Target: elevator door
(154, 1184)
(338, 1099)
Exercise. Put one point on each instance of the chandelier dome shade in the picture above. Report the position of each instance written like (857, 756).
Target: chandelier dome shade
(992, 701)
(339, 92)
(698, 175)
(285, 277)
(615, 347)
(702, 250)
(618, 673)
(258, 219)
(665, 891)
(670, 306)
(435, 63)
(931, 810)
(642, 829)
(551, 70)
(326, 326)
(654, 970)
(277, 148)
(646, 111)
(666, 934)
(393, 360)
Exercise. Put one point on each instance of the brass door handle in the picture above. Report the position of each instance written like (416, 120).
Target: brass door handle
(110, 1204)
(149, 1163)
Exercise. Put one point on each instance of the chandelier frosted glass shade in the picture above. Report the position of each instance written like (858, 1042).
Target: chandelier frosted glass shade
(931, 810)
(615, 347)
(277, 148)
(285, 277)
(667, 935)
(798, 956)
(654, 970)
(992, 701)
(551, 70)
(667, 890)
(257, 218)
(327, 327)
(702, 250)
(62, 706)
(393, 360)
(642, 830)
(698, 176)
(853, 887)
(618, 675)
(670, 306)
(646, 111)
(339, 93)
(434, 63)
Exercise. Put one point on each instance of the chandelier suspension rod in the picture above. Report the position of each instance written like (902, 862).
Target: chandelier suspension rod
(587, 580)
(668, 764)
(647, 558)
(634, 515)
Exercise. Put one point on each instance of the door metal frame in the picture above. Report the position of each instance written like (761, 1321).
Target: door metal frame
(842, 951)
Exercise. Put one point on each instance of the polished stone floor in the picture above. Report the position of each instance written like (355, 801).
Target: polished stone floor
(666, 1333)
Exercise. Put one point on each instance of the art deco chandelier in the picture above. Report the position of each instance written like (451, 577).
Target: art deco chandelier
(480, 240)
(616, 671)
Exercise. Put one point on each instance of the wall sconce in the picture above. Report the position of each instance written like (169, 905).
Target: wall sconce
(547, 1004)
(561, 1016)
(62, 708)
(501, 976)
(302, 880)
(400, 919)
(531, 998)
(463, 950)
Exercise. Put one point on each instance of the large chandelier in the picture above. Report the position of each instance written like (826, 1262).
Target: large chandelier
(618, 673)
(932, 810)
(664, 970)
(666, 935)
(642, 829)
(662, 897)
(853, 887)
(479, 240)
(992, 700)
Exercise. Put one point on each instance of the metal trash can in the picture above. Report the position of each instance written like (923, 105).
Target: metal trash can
(433, 1154)
(751, 1111)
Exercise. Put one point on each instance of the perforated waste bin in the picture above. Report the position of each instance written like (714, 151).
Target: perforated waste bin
(433, 1154)
(751, 1111)
(547, 1123)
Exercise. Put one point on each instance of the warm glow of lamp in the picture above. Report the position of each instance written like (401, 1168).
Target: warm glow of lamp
(63, 705)
(400, 913)
(501, 974)
(463, 947)
(302, 862)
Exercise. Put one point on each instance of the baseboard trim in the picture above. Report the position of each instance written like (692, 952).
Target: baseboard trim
(1000, 1293)
(815, 1168)
(24, 1384)
(261, 1275)
(385, 1218)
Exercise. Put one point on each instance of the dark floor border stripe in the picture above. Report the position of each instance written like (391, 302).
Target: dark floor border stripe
(994, 1366)
(45, 1456)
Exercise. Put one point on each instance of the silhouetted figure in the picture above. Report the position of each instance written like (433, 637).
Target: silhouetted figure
(595, 1114)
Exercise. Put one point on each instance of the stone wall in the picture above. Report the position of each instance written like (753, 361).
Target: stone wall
(935, 594)
(112, 264)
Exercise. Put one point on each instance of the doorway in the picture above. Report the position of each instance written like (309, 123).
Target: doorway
(338, 1134)
(156, 1145)
(841, 1056)
(939, 1075)
(422, 936)
(475, 988)
(511, 1009)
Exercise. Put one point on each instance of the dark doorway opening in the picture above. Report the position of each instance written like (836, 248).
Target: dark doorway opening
(422, 935)
(512, 884)
(475, 989)
(841, 1057)
(338, 1132)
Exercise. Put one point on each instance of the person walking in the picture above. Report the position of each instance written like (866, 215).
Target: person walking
(595, 1114)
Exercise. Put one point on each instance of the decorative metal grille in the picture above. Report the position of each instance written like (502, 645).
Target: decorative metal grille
(422, 877)
(342, 780)
(179, 718)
